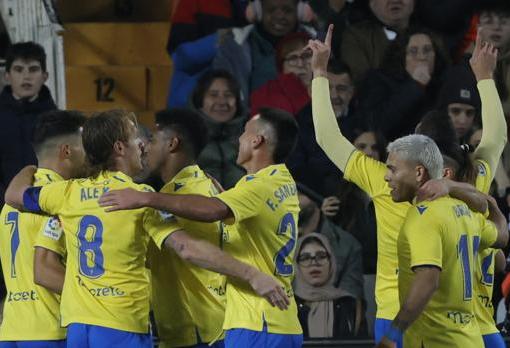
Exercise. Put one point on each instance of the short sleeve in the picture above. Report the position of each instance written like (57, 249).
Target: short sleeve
(159, 225)
(48, 199)
(426, 249)
(488, 233)
(366, 173)
(51, 236)
(245, 199)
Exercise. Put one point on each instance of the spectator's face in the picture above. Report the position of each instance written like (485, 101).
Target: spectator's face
(219, 101)
(462, 116)
(26, 78)
(401, 178)
(496, 28)
(367, 143)
(297, 62)
(341, 91)
(314, 264)
(279, 17)
(394, 13)
(420, 52)
(475, 138)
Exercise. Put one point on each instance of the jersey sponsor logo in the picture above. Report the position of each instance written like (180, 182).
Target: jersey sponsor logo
(53, 228)
(107, 291)
(22, 296)
(250, 177)
(459, 317)
(421, 209)
(485, 301)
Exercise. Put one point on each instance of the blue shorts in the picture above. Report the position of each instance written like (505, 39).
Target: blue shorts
(85, 336)
(493, 341)
(381, 326)
(33, 344)
(245, 338)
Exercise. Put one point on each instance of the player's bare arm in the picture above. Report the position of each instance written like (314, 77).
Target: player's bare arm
(465, 192)
(49, 271)
(208, 256)
(193, 207)
(497, 217)
(19, 184)
(425, 283)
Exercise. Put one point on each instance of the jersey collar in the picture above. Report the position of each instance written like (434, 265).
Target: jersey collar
(50, 174)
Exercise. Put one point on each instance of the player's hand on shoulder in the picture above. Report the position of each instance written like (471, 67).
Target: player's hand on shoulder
(122, 199)
(433, 189)
(269, 288)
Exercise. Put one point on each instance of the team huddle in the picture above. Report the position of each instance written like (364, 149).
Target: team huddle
(87, 252)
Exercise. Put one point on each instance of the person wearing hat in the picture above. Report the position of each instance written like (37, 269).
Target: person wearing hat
(460, 98)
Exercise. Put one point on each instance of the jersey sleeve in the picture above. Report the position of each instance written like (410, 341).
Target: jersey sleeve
(48, 199)
(424, 235)
(488, 232)
(245, 199)
(159, 225)
(366, 173)
(51, 235)
(484, 176)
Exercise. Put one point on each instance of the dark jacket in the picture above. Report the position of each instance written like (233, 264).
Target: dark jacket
(18, 120)
(394, 106)
(220, 154)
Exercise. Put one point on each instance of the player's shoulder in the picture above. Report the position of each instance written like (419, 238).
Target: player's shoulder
(142, 187)
(435, 208)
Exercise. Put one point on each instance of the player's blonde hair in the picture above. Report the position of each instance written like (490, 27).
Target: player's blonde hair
(420, 149)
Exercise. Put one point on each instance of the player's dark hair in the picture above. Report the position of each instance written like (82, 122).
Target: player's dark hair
(101, 131)
(25, 51)
(187, 124)
(286, 131)
(56, 123)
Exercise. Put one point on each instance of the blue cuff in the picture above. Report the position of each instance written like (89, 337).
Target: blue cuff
(394, 334)
(31, 199)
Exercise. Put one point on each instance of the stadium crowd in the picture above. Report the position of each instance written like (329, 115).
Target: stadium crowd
(308, 166)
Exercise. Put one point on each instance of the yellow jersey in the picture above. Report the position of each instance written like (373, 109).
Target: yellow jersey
(446, 234)
(368, 174)
(31, 312)
(265, 208)
(484, 270)
(106, 282)
(188, 301)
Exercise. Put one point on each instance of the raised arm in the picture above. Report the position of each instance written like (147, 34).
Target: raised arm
(497, 217)
(49, 271)
(327, 132)
(494, 136)
(19, 184)
(209, 256)
(193, 207)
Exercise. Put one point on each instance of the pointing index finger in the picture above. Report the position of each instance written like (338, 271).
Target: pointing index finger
(329, 35)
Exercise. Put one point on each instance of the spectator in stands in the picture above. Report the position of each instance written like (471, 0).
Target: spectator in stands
(325, 308)
(308, 162)
(21, 101)
(346, 249)
(364, 44)
(194, 19)
(394, 98)
(460, 98)
(290, 91)
(217, 98)
(495, 21)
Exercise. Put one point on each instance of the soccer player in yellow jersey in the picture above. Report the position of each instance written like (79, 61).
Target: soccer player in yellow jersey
(188, 301)
(368, 174)
(31, 312)
(437, 248)
(105, 299)
(263, 207)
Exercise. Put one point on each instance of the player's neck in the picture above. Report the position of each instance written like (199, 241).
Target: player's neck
(56, 166)
(173, 166)
(257, 162)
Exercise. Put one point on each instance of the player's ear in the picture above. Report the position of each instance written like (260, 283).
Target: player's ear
(118, 147)
(65, 151)
(258, 140)
(448, 173)
(421, 174)
(173, 144)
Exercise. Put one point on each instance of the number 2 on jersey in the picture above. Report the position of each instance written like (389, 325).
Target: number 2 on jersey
(12, 219)
(91, 257)
(282, 268)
